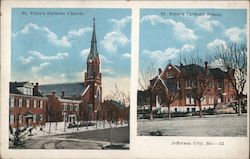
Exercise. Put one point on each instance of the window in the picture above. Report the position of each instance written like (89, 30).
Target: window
(71, 107)
(211, 100)
(189, 83)
(204, 100)
(12, 102)
(35, 103)
(34, 118)
(193, 109)
(77, 107)
(64, 107)
(219, 85)
(177, 84)
(41, 103)
(175, 109)
(12, 119)
(27, 103)
(169, 73)
(188, 110)
(20, 118)
(219, 100)
(41, 117)
(189, 99)
(20, 102)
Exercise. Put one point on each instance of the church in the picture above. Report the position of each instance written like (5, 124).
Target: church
(80, 101)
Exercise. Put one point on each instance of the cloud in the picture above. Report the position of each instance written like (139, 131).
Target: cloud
(39, 55)
(52, 38)
(218, 63)
(104, 59)
(169, 53)
(126, 55)
(180, 30)
(236, 34)
(26, 60)
(116, 38)
(113, 40)
(36, 69)
(120, 23)
(206, 22)
(85, 52)
(79, 32)
(216, 43)
(108, 71)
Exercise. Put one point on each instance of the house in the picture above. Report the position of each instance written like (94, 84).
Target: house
(193, 84)
(27, 106)
(63, 107)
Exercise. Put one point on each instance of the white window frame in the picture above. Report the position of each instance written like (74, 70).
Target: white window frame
(27, 103)
(20, 118)
(12, 101)
(65, 107)
(41, 103)
(77, 107)
(34, 118)
(34, 103)
(20, 102)
(12, 119)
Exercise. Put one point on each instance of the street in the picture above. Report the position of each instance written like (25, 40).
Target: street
(93, 139)
(213, 125)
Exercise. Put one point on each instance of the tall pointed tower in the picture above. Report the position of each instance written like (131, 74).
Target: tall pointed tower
(93, 78)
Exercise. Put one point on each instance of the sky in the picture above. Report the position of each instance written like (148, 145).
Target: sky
(168, 34)
(51, 45)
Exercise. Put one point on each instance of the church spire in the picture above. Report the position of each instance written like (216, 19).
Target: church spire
(93, 50)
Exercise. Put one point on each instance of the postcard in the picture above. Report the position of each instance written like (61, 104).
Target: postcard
(124, 79)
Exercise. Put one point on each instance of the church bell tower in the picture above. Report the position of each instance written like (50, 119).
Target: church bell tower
(93, 77)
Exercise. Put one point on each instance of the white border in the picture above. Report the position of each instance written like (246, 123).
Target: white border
(140, 147)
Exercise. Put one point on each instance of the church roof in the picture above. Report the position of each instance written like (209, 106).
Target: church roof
(70, 89)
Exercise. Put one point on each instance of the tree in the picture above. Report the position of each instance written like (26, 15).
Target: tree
(233, 59)
(18, 135)
(166, 90)
(146, 75)
(144, 82)
(197, 78)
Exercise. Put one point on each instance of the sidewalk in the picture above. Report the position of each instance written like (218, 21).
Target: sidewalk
(59, 129)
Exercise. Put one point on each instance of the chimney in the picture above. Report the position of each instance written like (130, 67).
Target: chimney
(160, 71)
(63, 94)
(205, 64)
(54, 93)
(36, 87)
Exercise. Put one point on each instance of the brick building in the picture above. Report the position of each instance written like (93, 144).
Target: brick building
(27, 106)
(63, 101)
(189, 81)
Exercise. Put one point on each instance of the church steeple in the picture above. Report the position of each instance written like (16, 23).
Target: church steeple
(93, 49)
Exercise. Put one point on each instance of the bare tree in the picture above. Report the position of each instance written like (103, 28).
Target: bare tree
(146, 75)
(233, 59)
(167, 90)
(197, 78)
